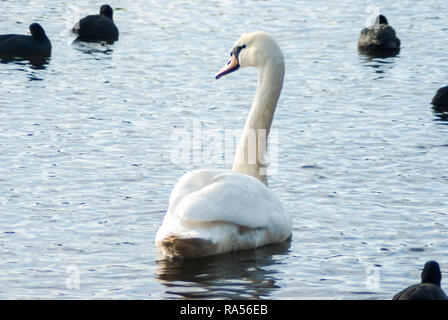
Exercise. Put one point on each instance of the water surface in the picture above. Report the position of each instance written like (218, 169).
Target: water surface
(86, 150)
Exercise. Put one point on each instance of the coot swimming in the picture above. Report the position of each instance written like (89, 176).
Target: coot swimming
(17, 45)
(428, 289)
(98, 27)
(440, 100)
(379, 40)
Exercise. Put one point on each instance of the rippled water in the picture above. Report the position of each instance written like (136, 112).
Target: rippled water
(86, 170)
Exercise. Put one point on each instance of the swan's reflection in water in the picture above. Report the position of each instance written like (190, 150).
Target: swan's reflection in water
(237, 275)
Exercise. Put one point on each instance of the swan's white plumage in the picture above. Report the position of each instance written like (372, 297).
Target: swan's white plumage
(208, 196)
(212, 212)
(229, 210)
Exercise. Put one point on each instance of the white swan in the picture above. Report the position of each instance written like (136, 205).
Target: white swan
(212, 212)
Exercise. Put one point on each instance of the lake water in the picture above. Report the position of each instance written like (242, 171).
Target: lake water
(86, 150)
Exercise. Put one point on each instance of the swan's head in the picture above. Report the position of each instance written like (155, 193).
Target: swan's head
(255, 49)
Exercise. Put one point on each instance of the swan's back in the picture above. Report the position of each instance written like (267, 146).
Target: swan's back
(212, 212)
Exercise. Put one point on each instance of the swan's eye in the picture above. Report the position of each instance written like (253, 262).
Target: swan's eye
(236, 51)
(239, 48)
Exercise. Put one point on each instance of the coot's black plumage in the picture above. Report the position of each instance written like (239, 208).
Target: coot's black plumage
(440, 100)
(98, 27)
(428, 289)
(379, 40)
(17, 45)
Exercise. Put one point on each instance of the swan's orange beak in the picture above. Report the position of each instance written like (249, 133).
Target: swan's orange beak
(231, 66)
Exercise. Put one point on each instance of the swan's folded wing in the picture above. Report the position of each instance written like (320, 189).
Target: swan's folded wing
(207, 196)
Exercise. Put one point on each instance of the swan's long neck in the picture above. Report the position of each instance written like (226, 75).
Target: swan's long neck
(250, 157)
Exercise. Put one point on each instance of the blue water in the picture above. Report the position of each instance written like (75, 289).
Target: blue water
(86, 150)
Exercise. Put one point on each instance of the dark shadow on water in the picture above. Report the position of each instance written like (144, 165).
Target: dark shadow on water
(441, 117)
(236, 275)
(381, 53)
(379, 65)
(93, 47)
(91, 40)
(35, 62)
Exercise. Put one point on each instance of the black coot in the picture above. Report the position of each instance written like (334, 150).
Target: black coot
(440, 100)
(428, 289)
(17, 45)
(98, 27)
(379, 40)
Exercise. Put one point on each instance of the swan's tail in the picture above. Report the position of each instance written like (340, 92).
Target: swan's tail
(174, 246)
